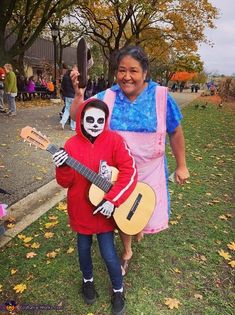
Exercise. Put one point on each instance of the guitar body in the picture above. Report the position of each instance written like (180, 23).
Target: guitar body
(132, 215)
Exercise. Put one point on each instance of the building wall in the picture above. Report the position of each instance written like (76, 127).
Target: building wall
(42, 51)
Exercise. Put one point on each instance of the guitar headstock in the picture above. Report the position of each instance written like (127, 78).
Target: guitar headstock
(35, 137)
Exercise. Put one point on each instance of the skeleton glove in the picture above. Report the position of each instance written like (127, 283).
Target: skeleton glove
(106, 208)
(60, 157)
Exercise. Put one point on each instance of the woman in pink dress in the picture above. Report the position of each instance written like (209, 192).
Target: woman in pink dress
(143, 113)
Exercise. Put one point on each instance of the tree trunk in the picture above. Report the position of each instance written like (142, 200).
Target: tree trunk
(4, 57)
(20, 64)
(112, 67)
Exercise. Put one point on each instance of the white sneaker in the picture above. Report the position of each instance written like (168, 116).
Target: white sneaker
(12, 114)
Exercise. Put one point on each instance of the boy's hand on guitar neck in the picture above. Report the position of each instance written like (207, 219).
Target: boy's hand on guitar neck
(106, 208)
(60, 157)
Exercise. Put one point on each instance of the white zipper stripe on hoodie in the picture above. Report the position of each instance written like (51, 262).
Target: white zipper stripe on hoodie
(132, 177)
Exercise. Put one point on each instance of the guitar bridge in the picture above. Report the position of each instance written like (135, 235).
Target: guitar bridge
(134, 207)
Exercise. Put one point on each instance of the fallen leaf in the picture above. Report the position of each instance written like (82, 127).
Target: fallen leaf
(27, 239)
(52, 254)
(48, 234)
(70, 250)
(198, 296)
(51, 224)
(11, 219)
(53, 218)
(218, 283)
(1, 288)
(232, 263)
(176, 270)
(30, 255)
(172, 303)
(13, 271)
(19, 288)
(203, 257)
(35, 245)
(224, 254)
(174, 222)
(21, 236)
(223, 217)
(193, 248)
(62, 206)
(231, 245)
(10, 225)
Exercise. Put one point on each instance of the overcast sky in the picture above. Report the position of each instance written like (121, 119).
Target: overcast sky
(221, 58)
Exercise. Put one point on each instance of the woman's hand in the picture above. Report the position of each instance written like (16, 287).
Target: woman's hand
(74, 75)
(79, 93)
(181, 175)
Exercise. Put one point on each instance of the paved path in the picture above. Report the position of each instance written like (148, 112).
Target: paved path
(24, 171)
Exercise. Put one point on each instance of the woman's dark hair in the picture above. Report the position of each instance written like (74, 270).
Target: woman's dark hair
(135, 52)
(95, 103)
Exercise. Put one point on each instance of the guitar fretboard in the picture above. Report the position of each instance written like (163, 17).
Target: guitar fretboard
(92, 176)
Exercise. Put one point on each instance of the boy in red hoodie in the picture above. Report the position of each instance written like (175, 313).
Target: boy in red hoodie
(96, 147)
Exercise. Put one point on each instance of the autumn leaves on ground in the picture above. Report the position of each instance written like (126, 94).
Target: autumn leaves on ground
(186, 269)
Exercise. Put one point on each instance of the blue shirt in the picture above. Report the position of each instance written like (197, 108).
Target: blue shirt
(140, 115)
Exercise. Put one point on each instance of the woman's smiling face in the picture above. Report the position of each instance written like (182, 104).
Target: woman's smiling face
(131, 77)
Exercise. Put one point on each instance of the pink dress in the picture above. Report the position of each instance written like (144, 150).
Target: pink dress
(148, 150)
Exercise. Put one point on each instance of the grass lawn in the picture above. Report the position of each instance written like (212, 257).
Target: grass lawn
(190, 263)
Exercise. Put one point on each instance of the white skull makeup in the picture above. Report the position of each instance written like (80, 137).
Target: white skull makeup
(94, 121)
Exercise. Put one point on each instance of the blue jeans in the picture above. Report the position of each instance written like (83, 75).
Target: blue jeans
(11, 103)
(65, 117)
(108, 253)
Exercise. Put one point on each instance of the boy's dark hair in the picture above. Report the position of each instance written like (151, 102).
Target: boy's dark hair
(95, 103)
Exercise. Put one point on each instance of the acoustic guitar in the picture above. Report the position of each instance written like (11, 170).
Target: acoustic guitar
(132, 215)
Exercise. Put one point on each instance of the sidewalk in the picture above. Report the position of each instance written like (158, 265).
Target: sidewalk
(28, 174)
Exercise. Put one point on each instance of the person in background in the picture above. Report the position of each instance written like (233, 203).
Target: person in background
(2, 78)
(30, 87)
(101, 83)
(10, 89)
(143, 113)
(68, 93)
(50, 87)
(89, 88)
(197, 87)
(95, 86)
(94, 146)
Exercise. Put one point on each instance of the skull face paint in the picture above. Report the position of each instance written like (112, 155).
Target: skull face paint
(94, 121)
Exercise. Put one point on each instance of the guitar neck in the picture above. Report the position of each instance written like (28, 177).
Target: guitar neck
(92, 176)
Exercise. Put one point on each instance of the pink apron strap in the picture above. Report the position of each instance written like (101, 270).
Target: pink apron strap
(161, 102)
(109, 99)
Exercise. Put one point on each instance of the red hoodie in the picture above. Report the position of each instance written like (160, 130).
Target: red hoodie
(108, 146)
